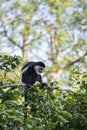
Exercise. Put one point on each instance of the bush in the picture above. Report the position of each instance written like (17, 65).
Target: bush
(44, 109)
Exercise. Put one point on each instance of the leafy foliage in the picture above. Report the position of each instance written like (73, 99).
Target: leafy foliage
(46, 109)
(9, 62)
(11, 110)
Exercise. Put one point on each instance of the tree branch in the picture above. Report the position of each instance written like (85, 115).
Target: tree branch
(23, 85)
(9, 38)
(64, 69)
(73, 62)
(11, 86)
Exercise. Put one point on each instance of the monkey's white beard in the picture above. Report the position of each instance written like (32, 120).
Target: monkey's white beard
(38, 69)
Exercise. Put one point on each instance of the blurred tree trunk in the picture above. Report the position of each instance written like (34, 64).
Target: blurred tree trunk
(25, 40)
(25, 49)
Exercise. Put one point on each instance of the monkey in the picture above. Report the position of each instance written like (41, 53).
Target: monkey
(31, 72)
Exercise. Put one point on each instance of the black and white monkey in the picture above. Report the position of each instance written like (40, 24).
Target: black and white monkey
(31, 72)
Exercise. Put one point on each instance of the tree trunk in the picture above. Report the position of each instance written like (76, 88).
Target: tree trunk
(25, 40)
(25, 49)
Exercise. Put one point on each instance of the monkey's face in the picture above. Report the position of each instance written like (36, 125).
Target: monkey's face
(38, 69)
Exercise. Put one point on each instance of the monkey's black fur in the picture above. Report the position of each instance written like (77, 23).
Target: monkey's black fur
(29, 75)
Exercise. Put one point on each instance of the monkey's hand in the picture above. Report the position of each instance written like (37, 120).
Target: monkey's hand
(43, 85)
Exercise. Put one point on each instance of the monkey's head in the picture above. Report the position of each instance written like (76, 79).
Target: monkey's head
(39, 67)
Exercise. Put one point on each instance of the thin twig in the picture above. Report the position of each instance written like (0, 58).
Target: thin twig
(16, 74)
(56, 88)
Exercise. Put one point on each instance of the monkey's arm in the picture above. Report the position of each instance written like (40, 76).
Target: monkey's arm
(42, 84)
